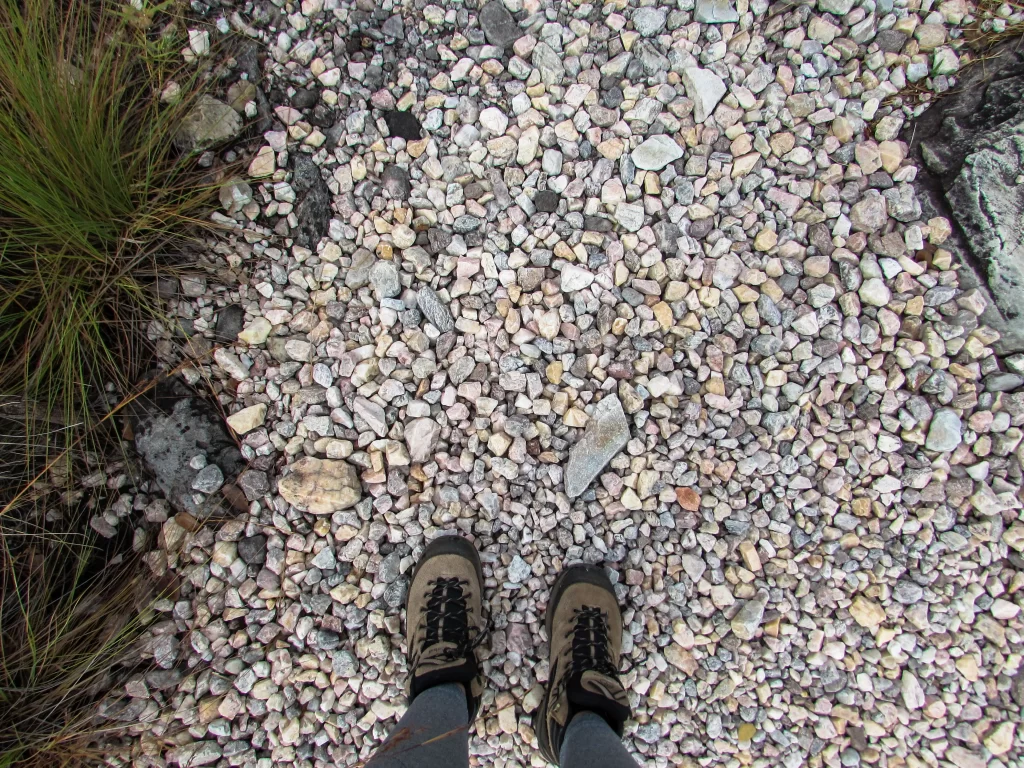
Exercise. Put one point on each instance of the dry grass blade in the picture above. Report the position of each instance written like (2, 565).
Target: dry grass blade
(992, 25)
(70, 610)
(94, 194)
(64, 629)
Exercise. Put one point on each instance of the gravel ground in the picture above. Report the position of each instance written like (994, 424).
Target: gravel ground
(644, 286)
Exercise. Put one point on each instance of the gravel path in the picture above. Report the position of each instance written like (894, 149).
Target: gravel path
(645, 286)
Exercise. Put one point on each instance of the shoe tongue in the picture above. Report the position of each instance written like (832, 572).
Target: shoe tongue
(601, 685)
(599, 693)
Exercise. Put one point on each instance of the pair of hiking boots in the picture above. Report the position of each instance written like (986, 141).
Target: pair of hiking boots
(584, 624)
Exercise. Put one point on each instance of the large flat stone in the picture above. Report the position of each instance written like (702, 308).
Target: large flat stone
(208, 123)
(716, 12)
(174, 428)
(320, 486)
(656, 152)
(972, 148)
(705, 88)
(606, 434)
(989, 205)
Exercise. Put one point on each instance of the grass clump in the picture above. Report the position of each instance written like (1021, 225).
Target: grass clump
(95, 192)
(67, 622)
(995, 22)
(93, 189)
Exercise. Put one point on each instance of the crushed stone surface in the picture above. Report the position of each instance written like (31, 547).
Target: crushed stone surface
(685, 237)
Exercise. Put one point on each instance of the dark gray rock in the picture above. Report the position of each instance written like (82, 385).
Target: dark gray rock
(324, 640)
(403, 124)
(248, 59)
(498, 25)
(439, 239)
(395, 180)
(701, 227)
(172, 429)
(254, 484)
(253, 549)
(393, 27)
(314, 208)
(972, 148)
(766, 344)
(229, 322)
(305, 98)
(666, 235)
(396, 592)
(891, 40)
(612, 97)
(546, 202)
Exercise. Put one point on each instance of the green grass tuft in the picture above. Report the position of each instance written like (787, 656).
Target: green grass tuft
(92, 193)
(95, 198)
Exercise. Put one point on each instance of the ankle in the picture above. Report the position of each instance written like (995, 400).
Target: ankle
(448, 695)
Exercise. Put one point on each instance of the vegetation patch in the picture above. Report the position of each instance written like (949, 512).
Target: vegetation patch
(99, 185)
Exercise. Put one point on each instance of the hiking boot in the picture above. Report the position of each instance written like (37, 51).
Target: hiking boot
(585, 632)
(444, 624)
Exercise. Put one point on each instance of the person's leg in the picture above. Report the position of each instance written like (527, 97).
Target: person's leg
(433, 733)
(591, 743)
(444, 624)
(584, 695)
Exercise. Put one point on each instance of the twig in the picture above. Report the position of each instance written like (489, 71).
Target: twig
(396, 738)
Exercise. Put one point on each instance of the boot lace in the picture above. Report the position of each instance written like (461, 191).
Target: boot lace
(590, 649)
(447, 620)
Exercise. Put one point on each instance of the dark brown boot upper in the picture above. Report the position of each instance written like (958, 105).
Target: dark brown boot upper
(444, 621)
(585, 630)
